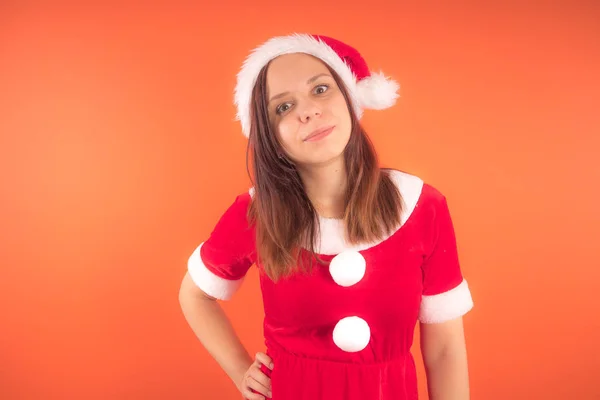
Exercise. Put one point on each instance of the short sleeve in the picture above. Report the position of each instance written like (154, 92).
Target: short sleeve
(219, 264)
(446, 294)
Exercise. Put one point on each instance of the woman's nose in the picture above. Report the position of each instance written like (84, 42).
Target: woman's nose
(309, 110)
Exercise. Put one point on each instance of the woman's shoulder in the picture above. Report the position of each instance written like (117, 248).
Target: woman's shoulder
(414, 187)
(420, 199)
(234, 216)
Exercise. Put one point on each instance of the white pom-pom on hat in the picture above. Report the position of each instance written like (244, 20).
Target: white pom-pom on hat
(377, 92)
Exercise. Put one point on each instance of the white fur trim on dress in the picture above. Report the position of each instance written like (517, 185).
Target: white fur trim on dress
(446, 306)
(331, 239)
(211, 284)
(376, 92)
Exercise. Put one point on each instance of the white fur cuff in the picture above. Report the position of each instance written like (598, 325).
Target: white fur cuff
(446, 306)
(211, 284)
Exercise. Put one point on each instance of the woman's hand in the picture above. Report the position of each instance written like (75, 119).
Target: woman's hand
(256, 385)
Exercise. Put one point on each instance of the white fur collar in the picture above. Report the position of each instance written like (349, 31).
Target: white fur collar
(331, 240)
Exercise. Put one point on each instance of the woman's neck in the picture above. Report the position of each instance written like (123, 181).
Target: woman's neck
(325, 186)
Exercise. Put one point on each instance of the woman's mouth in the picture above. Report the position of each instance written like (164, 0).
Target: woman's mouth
(319, 134)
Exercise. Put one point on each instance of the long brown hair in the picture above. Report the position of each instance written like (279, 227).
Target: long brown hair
(284, 218)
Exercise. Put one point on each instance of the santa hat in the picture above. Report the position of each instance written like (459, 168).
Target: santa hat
(367, 89)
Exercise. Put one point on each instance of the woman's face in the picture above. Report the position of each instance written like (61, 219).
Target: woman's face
(307, 109)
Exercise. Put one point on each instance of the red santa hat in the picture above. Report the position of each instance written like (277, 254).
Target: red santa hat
(367, 89)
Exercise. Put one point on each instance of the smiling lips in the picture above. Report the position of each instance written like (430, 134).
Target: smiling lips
(319, 134)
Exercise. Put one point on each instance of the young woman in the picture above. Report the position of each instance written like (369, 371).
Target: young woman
(351, 255)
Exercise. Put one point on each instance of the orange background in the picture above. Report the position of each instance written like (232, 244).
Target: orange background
(119, 152)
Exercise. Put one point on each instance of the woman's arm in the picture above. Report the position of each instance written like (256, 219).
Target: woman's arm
(212, 327)
(445, 357)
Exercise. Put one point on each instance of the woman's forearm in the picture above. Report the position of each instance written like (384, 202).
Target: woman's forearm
(448, 377)
(214, 330)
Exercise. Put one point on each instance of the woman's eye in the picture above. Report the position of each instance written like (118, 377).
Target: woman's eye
(321, 88)
(282, 108)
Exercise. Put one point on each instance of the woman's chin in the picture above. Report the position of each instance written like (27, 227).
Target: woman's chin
(319, 158)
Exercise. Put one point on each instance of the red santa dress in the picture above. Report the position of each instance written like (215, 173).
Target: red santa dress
(345, 331)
